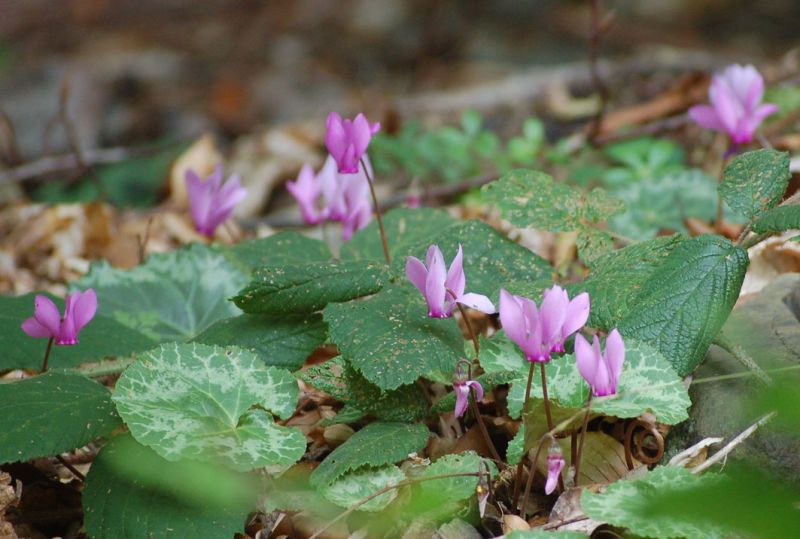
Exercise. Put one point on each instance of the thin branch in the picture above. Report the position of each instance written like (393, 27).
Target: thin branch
(723, 453)
(71, 468)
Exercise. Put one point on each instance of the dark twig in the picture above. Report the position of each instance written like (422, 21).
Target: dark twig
(578, 456)
(518, 479)
(71, 468)
(531, 473)
(12, 156)
(378, 215)
(142, 241)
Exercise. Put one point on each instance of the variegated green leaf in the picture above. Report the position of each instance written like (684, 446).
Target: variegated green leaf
(196, 401)
(454, 488)
(172, 296)
(355, 486)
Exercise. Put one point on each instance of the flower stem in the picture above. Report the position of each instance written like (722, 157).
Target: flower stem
(46, 356)
(378, 215)
(546, 400)
(477, 413)
(583, 438)
(471, 331)
(529, 482)
(517, 481)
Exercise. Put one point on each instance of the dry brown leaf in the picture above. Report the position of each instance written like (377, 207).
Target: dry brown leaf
(513, 522)
(568, 510)
(769, 259)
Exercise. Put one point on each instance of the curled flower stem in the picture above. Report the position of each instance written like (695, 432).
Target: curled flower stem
(517, 481)
(583, 438)
(46, 356)
(529, 482)
(378, 215)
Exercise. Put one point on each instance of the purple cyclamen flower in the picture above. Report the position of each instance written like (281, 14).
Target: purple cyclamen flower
(540, 332)
(462, 390)
(441, 287)
(555, 463)
(330, 195)
(47, 322)
(600, 370)
(347, 140)
(212, 202)
(735, 108)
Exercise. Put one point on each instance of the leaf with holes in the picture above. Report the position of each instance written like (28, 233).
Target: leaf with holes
(529, 198)
(305, 288)
(172, 296)
(624, 502)
(194, 401)
(405, 228)
(102, 337)
(755, 182)
(357, 485)
(131, 492)
(279, 340)
(617, 277)
(377, 444)
(685, 302)
(52, 413)
(391, 339)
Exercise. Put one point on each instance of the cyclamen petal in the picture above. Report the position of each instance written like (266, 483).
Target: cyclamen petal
(479, 302)
(211, 202)
(555, 463)
(462, 398)
(46, 322)
(347, 140)
(601, 370)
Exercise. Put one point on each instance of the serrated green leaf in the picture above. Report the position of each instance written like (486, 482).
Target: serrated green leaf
(777, 220)
(592, 243)
(616, 278)
(172, 296)
(343, 382)
(516, 447)
(530, 198)
(279, 249)
(647, 383)
(52, 413)
(405, 228)
(102, 337)
(490, 258)
(685, 302)
(390, 338)
(131, 492)
(305, 288)
(623, 502)
(755, 182)
(195, 401)
(454, 488)
(279, 340)
(357, 485)
(377, 444)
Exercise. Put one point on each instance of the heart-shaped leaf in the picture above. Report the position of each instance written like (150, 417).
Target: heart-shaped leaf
(195, 401)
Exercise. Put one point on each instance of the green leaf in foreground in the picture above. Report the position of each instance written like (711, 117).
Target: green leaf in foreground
(305, 288)
(193, 401)
(377, 444)
(755, 181)
(617, 277)
(357, 485)
(390, 338)
(52, 413)
(131, 492)
(279, 340)
(454, 488)
(625, 504)
(102, 337)
(171, 297)
(685, 302)
(529, 198)
(278, 249)
(777, 220)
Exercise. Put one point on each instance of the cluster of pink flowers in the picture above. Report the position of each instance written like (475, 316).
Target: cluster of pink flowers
(211, 201)
(340, 191)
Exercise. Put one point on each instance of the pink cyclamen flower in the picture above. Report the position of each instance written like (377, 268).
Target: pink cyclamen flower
(212, 202)
(444, 287)
(46, 321)
(347, 140)
(600, 370)
(555, 463)
(462, 390)
(540, 332)
(307, 190)
(736, 107)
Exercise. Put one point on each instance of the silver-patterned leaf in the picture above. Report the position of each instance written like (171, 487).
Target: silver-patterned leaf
(355, 486)
(196, 401)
